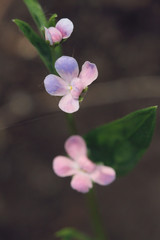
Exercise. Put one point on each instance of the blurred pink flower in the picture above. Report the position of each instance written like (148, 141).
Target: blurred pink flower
(71, 84)
(83, 170)
(62, 30)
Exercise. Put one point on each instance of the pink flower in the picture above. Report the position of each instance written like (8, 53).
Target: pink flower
(62, 30)
(70, 84)
(83, 170)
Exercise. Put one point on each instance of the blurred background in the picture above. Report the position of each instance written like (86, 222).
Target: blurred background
(123, 38)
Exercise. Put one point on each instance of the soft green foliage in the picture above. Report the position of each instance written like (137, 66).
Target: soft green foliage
(48, 54)
(120, 144)
(41, 45)
(71, 234)
(37, 14)
(52, 20)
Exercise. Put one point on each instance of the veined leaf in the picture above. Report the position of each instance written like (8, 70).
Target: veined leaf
(37, 13)
(42, 47)
(120, 144)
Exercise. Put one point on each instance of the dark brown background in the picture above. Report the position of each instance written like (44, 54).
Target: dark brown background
(123, 38)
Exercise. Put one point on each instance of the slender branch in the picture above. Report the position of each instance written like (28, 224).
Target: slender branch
(71, 124)
(95, 216)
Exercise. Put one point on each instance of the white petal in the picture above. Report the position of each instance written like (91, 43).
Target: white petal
(68, 104)
(77, 88)
(48, 36)
(81, 182)
(63, 166)
(65, 26)
(88, 74)
(75, 146)
(103, 175)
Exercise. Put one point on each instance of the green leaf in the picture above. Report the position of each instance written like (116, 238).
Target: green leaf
(52, 20)
(42, 47)
(120, 144)
(37, 13)
(71, 234)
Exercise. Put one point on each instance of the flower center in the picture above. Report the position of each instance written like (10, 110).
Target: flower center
(70, 88)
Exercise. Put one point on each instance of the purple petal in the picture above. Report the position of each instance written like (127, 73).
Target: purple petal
(65, 26)
(53, 34)
(103, 175)
(81, 182)
(88, 74)
(67, 68)
(55, 85)
(68, 104)
(63, 166)
(75, 146)
(77, 88)
(48, 36)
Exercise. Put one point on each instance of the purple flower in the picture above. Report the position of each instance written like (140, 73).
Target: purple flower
(62, 30)
(83, 170)
(70, 84)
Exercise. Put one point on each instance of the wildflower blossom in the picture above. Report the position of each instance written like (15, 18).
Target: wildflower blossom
(71, 84)
(83, 170)
(62, 30)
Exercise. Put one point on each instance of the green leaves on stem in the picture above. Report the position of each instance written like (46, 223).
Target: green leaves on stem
(37, 14)
(48, 54)
(121, 144)
(40, 44)
(52, 20)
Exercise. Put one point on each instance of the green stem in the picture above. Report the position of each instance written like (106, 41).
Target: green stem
(95, 216)
(71, 124)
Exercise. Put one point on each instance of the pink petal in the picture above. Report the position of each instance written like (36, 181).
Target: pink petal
(65, 26)
(86, 164)
(88, 74)
(63, 166)
(75, 146)
(55, 85)
(68, 104)
(77, 88)
(53, 34)
(67, 68)
(103, 175)
(48, 36)
(81, 182)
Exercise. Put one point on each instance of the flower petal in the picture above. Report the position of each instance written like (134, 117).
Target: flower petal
(86, 164)
(75, 146)
(63, 166)
(48, 36)
(103, 175)
(68, 104)
(77, 88)
(88, 74)
(67, 68)
(81, 182)
(53, 34)
(65, 26)
(55, 85)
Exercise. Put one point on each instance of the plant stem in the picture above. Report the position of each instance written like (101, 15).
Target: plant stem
(95, 216)
(71, 124)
